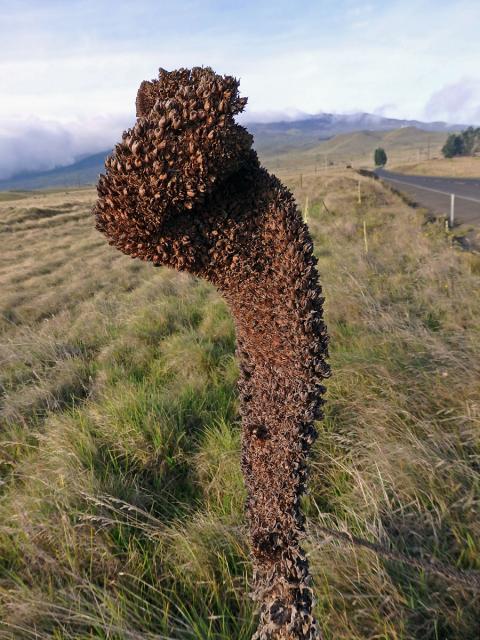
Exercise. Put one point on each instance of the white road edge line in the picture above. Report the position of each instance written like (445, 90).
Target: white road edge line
(444, 193)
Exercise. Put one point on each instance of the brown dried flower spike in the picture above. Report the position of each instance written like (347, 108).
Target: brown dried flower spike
(185, 189)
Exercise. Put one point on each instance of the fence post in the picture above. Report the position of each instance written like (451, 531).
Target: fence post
(452, 211)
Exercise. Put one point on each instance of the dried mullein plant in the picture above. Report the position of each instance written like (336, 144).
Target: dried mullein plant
(185, 189)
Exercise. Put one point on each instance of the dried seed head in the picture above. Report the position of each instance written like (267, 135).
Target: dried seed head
(185, 189)
(170, 128)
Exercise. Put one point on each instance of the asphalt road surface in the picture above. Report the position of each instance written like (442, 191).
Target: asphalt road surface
(434, 193)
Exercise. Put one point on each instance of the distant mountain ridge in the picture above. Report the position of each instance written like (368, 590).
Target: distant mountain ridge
(270, 138)
(275, 137)
(80, 173)
(352, 122)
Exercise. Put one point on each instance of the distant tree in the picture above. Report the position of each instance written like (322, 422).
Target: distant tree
(380, 157)
(471, 140)
(454, 146)
(466, 143)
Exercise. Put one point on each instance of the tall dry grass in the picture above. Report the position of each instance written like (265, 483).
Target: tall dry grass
(121, 512)
(461, 167)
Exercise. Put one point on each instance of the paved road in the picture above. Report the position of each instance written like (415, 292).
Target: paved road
(434, 193)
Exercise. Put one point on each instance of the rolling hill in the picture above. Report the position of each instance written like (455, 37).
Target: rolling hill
(402, 145)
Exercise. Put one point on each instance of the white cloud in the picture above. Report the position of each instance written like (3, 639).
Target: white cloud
(459, 102)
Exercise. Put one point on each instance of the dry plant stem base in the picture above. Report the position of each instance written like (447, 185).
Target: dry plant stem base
(185, 189)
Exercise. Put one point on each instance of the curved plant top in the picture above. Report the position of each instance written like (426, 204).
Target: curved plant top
(185, 189)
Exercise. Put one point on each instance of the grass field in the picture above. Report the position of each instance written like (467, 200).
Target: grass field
(451, 167)
(121, 513)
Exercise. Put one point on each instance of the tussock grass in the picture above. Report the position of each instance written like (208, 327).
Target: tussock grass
(121, 511)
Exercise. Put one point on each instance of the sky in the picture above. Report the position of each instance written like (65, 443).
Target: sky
(70, 69)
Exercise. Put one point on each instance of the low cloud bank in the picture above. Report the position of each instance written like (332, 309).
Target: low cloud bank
(40, 145)
(285, 115)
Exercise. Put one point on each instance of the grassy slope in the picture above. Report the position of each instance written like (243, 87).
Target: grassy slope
(401, 145)
(121, 513)
(451, 167)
